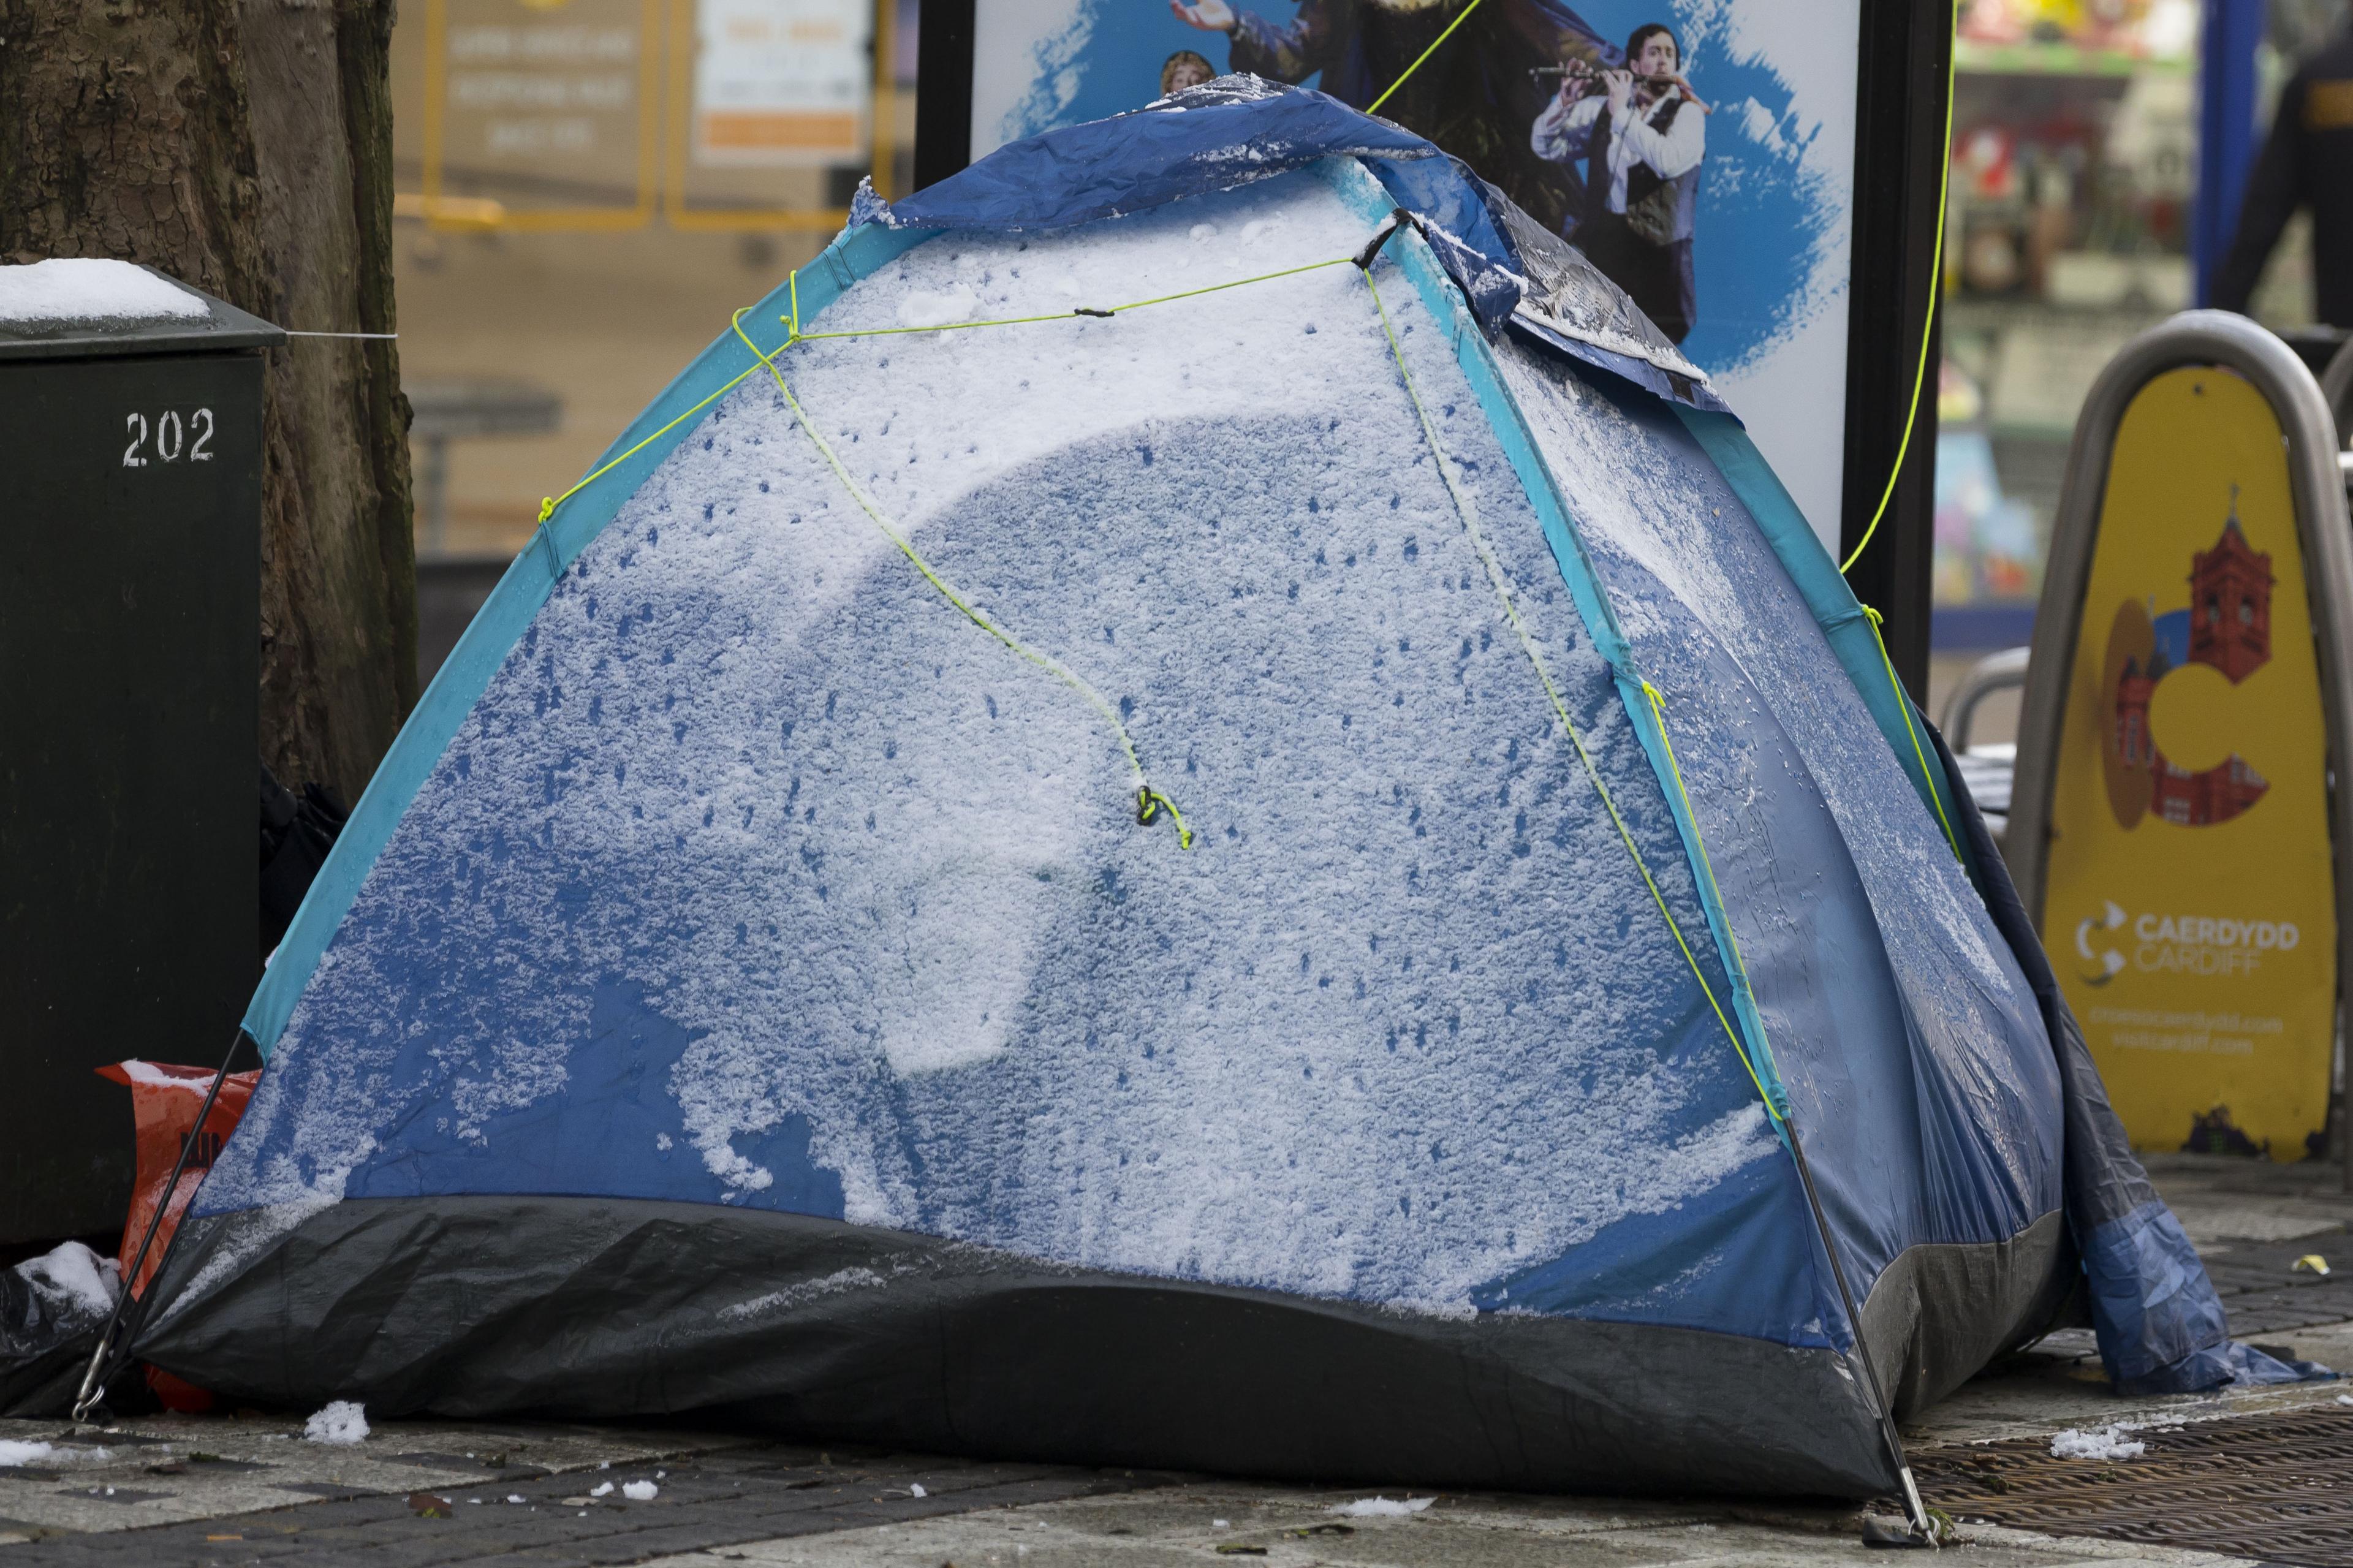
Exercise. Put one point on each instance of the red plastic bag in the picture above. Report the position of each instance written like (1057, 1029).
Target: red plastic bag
(163, 1103)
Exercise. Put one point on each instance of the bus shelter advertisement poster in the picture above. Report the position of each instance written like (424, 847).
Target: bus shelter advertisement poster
(1700, 152)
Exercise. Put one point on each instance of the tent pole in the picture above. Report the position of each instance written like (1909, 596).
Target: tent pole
(1914, 1510)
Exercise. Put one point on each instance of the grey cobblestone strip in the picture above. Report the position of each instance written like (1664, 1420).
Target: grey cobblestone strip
(711, 1501)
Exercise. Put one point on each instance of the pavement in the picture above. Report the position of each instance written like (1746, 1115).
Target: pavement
(248, 1488)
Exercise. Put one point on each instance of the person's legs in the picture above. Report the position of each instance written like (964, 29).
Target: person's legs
(1603, 239)
(1679, 318)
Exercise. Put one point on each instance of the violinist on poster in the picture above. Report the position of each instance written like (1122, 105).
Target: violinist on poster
(1642, 135)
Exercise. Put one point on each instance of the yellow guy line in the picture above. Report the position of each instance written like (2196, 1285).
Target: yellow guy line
(1469, 514)
(547, 504)
(1659, 712)
(1903, 706)
(801, 337)
(1731, 937)
(1149, 802)
(1375, 107)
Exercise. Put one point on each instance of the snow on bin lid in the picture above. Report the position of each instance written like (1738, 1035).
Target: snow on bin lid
(73, 306)
(89, 289)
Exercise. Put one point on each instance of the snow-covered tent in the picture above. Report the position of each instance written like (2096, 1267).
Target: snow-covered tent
(1192, 806)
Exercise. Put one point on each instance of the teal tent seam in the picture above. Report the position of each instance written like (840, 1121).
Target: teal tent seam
(1833, 605)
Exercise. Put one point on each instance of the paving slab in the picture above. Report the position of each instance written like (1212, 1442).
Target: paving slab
(168, 1470)
(2058, 1384)
(2221, 1199)
(391, 1511)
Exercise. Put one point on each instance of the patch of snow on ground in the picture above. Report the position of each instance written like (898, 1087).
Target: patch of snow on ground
(91, 288)
(602, 1489)
(342, 1422)
(1381, 1507)
(640, 1491)
(2095, 1443)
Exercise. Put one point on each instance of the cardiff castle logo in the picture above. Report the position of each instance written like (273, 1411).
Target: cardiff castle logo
(2226, 626)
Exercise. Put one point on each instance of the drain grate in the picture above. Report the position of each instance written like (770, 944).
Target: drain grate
(2269, 1487)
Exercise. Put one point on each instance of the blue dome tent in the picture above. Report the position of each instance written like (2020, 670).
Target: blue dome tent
(1193, 805)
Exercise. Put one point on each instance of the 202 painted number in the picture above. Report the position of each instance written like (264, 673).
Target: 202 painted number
(173, 440)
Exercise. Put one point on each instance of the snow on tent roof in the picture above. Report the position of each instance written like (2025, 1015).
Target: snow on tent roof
(1172, 833)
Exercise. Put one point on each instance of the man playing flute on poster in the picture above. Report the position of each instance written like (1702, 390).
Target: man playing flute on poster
(1642, 137)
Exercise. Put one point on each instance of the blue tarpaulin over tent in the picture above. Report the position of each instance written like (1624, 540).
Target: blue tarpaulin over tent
(1158, 818)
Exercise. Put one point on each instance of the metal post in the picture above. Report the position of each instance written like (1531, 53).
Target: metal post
(1902, 76)
(942, 90)
(2337, 389)
(2226, 130)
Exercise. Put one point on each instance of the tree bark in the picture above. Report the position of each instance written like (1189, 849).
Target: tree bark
(245, 146)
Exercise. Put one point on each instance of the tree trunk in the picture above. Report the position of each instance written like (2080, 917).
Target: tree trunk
(245, 146)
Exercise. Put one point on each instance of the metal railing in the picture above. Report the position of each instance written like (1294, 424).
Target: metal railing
(2003, 671)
